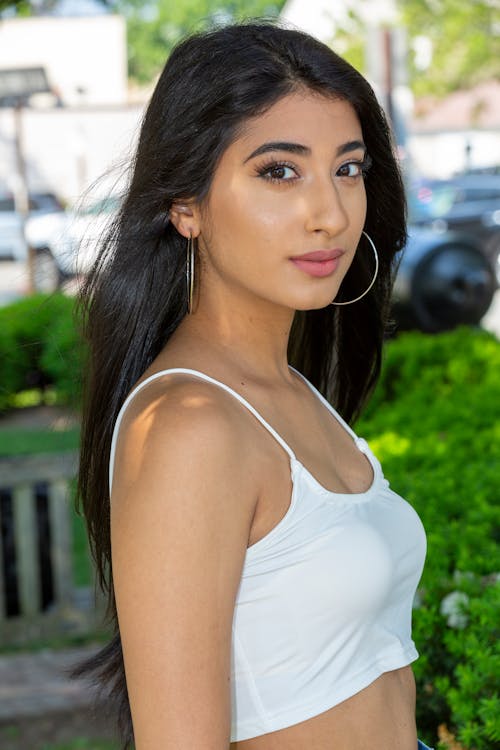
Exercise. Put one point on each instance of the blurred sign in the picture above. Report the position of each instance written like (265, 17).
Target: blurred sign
(18, 84)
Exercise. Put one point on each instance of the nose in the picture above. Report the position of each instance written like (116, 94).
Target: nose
(326, 209)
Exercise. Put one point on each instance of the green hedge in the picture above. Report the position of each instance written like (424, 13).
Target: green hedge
(40, 348)
(434, 422)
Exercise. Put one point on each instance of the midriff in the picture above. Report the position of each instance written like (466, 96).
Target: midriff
(380, 716)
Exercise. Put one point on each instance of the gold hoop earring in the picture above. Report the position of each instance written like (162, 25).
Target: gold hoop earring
(190, 274)
(372, 282)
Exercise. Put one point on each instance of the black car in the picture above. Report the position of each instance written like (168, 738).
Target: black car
(468, 203)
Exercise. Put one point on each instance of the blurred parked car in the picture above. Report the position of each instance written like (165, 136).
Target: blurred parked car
(12, 244)
(444, 280)
(492, 169)
(468, 203)
(68, 247)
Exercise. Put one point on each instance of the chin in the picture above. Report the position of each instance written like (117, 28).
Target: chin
(318, 302)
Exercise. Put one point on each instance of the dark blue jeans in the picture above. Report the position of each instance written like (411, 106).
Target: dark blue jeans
(423, 746)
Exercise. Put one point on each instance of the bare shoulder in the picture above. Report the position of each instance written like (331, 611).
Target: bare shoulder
(182, 421)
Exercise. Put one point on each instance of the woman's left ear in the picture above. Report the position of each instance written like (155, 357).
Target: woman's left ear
(184, 215)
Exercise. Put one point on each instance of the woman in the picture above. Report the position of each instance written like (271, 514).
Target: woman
(260, 571)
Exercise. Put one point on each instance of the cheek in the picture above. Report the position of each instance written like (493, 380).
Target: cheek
(355, 206)
(248, 220)
(261, 212)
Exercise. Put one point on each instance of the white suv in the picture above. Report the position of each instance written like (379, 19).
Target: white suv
(41, 205)
(68, 247)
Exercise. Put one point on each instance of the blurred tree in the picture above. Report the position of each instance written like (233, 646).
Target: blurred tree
(154, 27)
(459, 39)
(11, 8)
(452, 44)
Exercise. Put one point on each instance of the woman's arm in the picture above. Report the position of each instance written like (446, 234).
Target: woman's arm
(181, 512)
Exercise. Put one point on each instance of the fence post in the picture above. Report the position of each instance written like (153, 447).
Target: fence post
(3, 605)
(26, 542)
(40, 598)
(25, 482)
(61, 540)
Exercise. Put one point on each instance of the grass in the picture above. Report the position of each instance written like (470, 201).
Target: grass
(11, 734)
(22, 441)
(98, 636)
(81, 743)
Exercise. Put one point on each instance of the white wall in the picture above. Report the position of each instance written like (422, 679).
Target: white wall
(86, 53)
(68, 149)
(442, 154)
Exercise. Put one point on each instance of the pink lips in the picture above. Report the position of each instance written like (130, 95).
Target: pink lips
(318, 263)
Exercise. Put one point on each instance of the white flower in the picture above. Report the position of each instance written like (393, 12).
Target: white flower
(452, 608)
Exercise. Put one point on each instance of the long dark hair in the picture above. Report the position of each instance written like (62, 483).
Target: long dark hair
(135, 297)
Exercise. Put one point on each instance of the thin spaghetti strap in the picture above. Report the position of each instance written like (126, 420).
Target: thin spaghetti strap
(203, 376)
(327, 404)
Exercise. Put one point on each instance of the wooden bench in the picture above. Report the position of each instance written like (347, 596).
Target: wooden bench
(36, 546)
(35, 514)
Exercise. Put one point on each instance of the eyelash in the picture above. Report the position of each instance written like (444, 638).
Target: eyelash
(364, 164)
(264, 169)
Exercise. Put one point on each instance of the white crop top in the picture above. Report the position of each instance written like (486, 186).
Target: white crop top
(325, 599)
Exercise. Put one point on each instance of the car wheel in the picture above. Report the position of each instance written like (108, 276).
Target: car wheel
(46, 274)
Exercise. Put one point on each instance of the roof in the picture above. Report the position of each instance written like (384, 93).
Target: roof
(462, 110)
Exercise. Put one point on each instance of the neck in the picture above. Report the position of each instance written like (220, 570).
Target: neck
(250, 334)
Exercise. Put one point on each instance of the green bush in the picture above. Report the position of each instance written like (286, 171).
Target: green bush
(62, 358)
(40, 347)
(434, 423)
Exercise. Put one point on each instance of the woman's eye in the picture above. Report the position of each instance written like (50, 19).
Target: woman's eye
(278, 173)
(352, 169)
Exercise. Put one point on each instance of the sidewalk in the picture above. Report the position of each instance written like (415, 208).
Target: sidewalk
(40, 706)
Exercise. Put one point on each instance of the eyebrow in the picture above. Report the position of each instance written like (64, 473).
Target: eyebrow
(298, 148)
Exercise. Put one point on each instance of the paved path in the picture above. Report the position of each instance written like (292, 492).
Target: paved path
(31, 684)
(39, 704)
